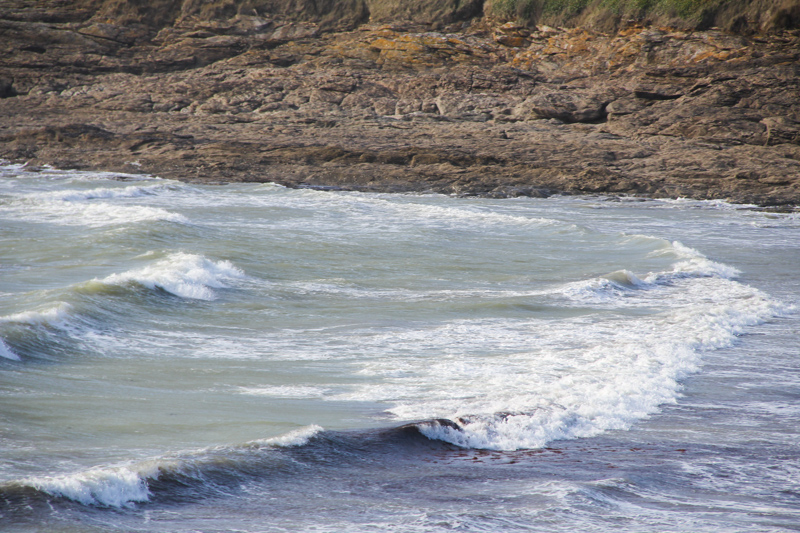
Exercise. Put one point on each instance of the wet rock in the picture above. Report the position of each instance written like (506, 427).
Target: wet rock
(480, 109)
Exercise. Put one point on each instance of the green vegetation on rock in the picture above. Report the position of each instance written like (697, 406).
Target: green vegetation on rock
(735, 15)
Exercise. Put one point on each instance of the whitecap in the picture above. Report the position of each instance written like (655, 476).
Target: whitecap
(694, 263)
(117, 486)
(6, 352)
(185, 275)
(89, 214)
(96, 207)
(285, 391)
(132, 191)
(126, 484)
(298, 437)
(617, 285)
(582, 377)
(52, 316)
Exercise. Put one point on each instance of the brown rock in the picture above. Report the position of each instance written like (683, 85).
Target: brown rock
(570, 105)
(200, 93)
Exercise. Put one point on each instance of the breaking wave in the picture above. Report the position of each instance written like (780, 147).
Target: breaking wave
(581, 379)
(204, 470)
(186, 275)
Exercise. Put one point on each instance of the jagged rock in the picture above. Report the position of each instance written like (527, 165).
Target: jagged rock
(780, 130)
(624, 106)
(569, 106)
(512, 34)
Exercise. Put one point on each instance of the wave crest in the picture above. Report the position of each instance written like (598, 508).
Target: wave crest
(186, 275)
(108, 487)
(200, 471)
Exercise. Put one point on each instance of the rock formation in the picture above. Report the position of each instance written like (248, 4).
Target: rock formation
(428, 96)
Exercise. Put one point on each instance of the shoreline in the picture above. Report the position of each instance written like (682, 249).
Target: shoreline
(542, 194)
(480, 110)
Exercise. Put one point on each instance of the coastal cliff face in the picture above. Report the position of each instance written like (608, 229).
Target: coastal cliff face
(460, 97)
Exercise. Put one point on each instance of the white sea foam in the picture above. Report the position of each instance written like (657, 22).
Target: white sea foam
(96, 207)
(6, 352)
(285, 391)
(185, 275)
(475, 216)
(22, 170)
(123, 485)
(131, 191)
(53, 316)
(116, 486)
(596, 290)
(683, 203)
(616, 286)
(88, 213)
(583, 377)
(298, 437)
(696, 264)
(384, 211)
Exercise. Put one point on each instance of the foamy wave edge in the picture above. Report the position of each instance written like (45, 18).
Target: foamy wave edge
(127, 484)
(689, 263)
(7, 353)
(186, 275)
(105, 193)
(717, 324)
(54, 316)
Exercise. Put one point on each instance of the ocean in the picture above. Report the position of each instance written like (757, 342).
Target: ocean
(178, 357)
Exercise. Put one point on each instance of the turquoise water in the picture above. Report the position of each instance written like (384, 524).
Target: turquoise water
(246, 357)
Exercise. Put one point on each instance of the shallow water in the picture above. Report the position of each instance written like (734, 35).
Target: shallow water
(247, 357)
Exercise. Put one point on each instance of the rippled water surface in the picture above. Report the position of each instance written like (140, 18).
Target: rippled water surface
(178, 357)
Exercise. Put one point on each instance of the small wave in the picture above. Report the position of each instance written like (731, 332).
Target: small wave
(582, 377)
(298, 437)
(24, 330)
(6, 352)
(85, 207)
(52, 316)
(199, 471)
(109, 487)
(285, 391)
(132, 191)
(620, 283)
(601, 290)
(185, 275)
(90, 214)
(683, 203)
(624, 380)
(460, 215)
(626, 278)
(527, 430)
(509, 431)
(45, 333)
(695, 264)
(378, 208)
(23, 170)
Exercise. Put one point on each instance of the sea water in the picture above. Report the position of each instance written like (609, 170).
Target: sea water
(247, 357)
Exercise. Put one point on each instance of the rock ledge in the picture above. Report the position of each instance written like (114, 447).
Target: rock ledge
(474, 108)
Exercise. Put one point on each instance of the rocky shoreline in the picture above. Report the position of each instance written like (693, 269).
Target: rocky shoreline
(473, 108)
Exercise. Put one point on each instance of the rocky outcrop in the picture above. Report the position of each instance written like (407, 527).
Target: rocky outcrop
(236, 91)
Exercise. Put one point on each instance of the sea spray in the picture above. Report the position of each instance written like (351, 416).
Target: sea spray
(185, 275)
